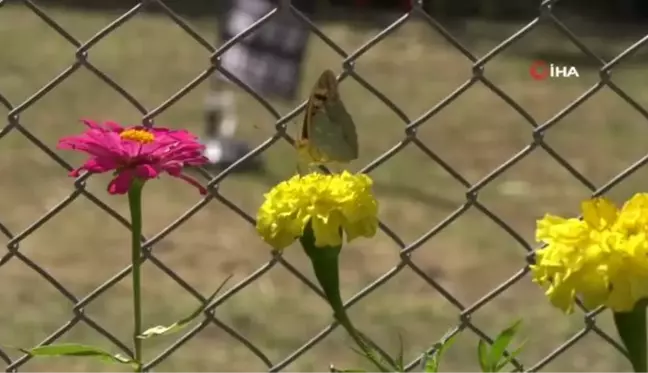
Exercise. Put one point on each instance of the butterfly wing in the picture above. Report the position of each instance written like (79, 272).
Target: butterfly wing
(315, 104)
(328, 131)
(334, 134)
(343, 124)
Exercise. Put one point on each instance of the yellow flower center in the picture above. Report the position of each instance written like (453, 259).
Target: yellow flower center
(138, 135)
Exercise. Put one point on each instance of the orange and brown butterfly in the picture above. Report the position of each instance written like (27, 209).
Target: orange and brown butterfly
(328, 133)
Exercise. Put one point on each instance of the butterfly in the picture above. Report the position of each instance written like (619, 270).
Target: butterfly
(328, 133)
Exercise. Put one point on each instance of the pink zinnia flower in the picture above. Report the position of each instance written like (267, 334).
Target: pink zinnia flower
(135, 152)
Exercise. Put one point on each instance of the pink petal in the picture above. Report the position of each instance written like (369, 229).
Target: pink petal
(100, 164)
(90, 147)
(108, 126)
(76, 172)
(146, 171)
(113, 126)
(197, 161)
(193, 182)
(91, 123)
(122, 182)
(170, 152)
(173, 168)
(131, 149)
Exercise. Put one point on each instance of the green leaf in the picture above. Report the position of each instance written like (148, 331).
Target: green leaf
(423, 362)
(631, 327)
(400, 361)
(432, 365)
(510, 358)
(379, 358)
(482, 356)
(501, 342)
(371, 357)
(77, 350)
(165, 330)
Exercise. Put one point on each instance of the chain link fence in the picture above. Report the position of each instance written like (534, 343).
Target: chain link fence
(409, 140)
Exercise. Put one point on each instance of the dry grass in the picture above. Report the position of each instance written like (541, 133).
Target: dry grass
(152, 58)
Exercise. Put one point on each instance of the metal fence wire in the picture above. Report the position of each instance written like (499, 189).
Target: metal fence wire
(409, 139)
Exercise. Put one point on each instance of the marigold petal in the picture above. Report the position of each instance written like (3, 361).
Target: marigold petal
(620, 297)
(562, 297)
(599, 213)
(634, 214)
(362, 228)
(331, 203)
(278, 239)
(545, 225)
(326, 230)
(603, 260)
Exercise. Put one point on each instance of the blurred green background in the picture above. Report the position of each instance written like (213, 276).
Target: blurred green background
(152, 58)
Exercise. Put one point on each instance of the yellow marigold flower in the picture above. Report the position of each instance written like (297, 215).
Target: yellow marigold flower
(602, 258)
(331, 203)
(634, 214)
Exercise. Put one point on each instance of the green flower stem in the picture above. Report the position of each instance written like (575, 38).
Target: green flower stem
(135, 204)
(325, 265)
(631, 327)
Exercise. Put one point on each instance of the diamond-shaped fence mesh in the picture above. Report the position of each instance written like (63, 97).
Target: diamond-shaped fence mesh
(16, 126)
